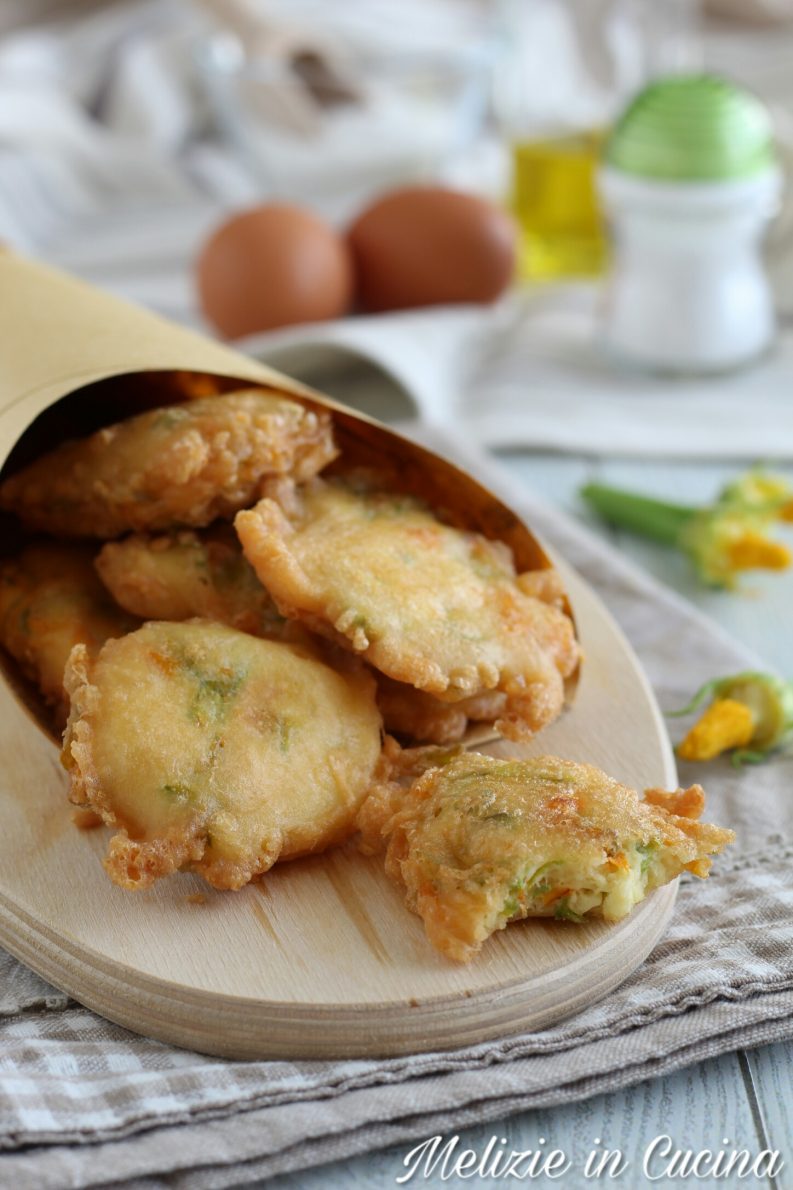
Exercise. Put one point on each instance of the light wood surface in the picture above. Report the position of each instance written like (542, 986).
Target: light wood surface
(321, 958)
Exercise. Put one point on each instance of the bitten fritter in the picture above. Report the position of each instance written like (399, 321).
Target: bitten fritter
(181, 465)
(427, 604)
(51, 600)
(184, 574)
(213, 751)
(479, 842)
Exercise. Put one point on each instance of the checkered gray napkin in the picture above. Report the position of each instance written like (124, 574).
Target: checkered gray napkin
(83, 1102)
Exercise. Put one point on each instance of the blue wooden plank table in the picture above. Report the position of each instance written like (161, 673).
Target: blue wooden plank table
(745, 1097)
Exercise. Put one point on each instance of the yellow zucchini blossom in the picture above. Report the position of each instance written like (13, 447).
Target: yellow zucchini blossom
(757, 489)
(749, 714)
(725, 540)
(722, 539)
(769, 494)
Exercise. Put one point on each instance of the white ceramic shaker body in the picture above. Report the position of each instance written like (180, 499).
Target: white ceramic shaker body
(688, 291)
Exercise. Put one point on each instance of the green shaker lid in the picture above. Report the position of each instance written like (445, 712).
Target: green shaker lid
(692, 128)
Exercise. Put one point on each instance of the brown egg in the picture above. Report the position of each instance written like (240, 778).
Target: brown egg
(271, 266)
(426, 245)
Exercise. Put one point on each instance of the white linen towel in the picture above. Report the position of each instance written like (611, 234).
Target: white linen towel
(109, 168)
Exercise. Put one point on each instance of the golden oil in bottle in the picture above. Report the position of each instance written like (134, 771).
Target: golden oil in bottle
(555, 202)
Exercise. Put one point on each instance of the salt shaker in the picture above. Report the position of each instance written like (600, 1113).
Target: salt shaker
(689, 181)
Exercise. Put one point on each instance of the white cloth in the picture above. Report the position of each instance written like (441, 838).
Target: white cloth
(532, 372)
(109, 168)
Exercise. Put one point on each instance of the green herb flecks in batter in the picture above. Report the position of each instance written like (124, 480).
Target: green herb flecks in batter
(563, 912)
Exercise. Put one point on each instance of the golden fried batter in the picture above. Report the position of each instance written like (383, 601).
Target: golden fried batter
(211, 750)
(51, 600)
(419, 716)
(182, 465)
(479, 842)
(427, 604)
(184, 574)
(545, 585)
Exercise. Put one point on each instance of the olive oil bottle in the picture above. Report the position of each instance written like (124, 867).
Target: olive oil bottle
(554, 199)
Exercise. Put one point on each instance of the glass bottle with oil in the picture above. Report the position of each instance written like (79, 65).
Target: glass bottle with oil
(554, 199)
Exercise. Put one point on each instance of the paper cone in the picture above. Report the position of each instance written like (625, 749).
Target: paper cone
(61, 335)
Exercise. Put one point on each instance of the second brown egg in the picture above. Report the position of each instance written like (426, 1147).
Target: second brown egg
(429, 245)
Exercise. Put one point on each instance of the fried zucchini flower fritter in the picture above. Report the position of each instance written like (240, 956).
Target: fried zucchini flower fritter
(213, 751)
(184, 574)
(51, 600)
(180, 465)
(479, 842)
(417, 716)
(429, 605)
